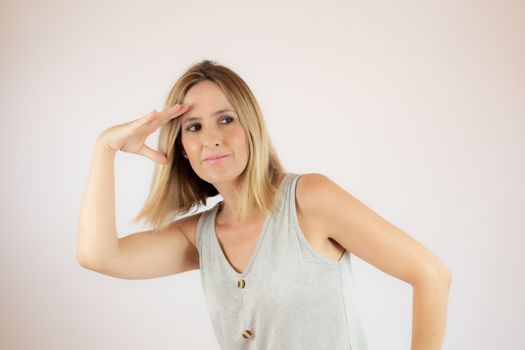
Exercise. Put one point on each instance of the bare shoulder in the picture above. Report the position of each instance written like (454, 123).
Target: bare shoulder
(308, 187)
(307, 190)
(188, 226)
(313, 225)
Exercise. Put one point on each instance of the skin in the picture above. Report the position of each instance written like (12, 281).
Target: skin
(215, 134)
(335, 213)
(325, 210)
(357, 228)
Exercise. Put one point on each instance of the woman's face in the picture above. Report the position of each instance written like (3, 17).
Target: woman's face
(210, 127)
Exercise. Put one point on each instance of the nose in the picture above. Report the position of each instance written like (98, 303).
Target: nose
(212, 136)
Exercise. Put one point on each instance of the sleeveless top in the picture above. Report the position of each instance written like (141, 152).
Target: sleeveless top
(288, 298)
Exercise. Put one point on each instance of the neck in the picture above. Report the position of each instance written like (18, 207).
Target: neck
(227, 212)
(225, 215)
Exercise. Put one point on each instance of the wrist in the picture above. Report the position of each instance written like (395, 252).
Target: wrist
(103, 146)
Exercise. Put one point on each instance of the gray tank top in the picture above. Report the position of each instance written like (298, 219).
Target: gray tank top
(288, 298)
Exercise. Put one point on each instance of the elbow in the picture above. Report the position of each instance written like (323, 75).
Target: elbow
(82, 252)
(436, 276)
(443, 275)
(85, 260)
(82, 259)
(448, 276)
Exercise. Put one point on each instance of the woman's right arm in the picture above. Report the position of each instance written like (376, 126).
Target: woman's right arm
(97, 236)
(139, 255)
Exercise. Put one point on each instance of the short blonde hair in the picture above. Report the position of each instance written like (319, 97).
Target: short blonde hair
(175, 188)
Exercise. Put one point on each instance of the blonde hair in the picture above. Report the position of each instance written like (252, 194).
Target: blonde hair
(175, 188)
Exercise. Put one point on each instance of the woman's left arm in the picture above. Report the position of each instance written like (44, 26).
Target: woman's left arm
(429, 312)
(364, 233)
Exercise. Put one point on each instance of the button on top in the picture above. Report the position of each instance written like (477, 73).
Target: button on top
(247, 334)
(241, 283)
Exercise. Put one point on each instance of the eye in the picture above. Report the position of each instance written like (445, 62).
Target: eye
(191, 126)
(197, 124)
(228, 117)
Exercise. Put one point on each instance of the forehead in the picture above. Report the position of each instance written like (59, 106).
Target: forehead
(205, 93)
(205, 99)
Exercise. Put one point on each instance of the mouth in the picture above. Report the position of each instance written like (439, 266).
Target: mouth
(215, 160)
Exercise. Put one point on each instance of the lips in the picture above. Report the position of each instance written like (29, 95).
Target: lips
(216, 157)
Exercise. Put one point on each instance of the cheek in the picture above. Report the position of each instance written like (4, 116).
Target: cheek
(240, 137)
(188, 144)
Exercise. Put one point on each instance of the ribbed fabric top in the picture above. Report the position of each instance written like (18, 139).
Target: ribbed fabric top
(288, 298)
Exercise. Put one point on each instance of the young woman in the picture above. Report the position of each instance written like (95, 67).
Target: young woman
(274, 254)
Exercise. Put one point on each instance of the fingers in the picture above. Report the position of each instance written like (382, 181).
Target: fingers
(174, 111)
(167, 114)
(153, 155)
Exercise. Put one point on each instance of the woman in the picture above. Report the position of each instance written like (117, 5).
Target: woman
(274, 254)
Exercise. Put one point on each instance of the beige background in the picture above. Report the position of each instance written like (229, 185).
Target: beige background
(415, 107)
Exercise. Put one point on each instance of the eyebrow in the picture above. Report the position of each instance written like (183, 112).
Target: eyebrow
(189, 119)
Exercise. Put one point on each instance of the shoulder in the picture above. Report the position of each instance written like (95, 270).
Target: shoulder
(325, 202)
(312, 194)
(310, 186)
(188, 225)
(311, 180)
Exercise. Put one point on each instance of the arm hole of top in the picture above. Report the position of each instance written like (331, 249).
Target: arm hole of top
(299, 231)
(198, 231)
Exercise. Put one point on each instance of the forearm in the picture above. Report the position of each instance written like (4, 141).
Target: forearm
(430, 299)
(97, 235)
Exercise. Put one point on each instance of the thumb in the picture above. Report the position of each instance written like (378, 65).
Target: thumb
(153, 155)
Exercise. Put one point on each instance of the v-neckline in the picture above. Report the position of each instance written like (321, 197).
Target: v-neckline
(262, 233)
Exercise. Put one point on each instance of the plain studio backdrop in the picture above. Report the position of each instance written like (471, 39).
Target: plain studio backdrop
(417, 108)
